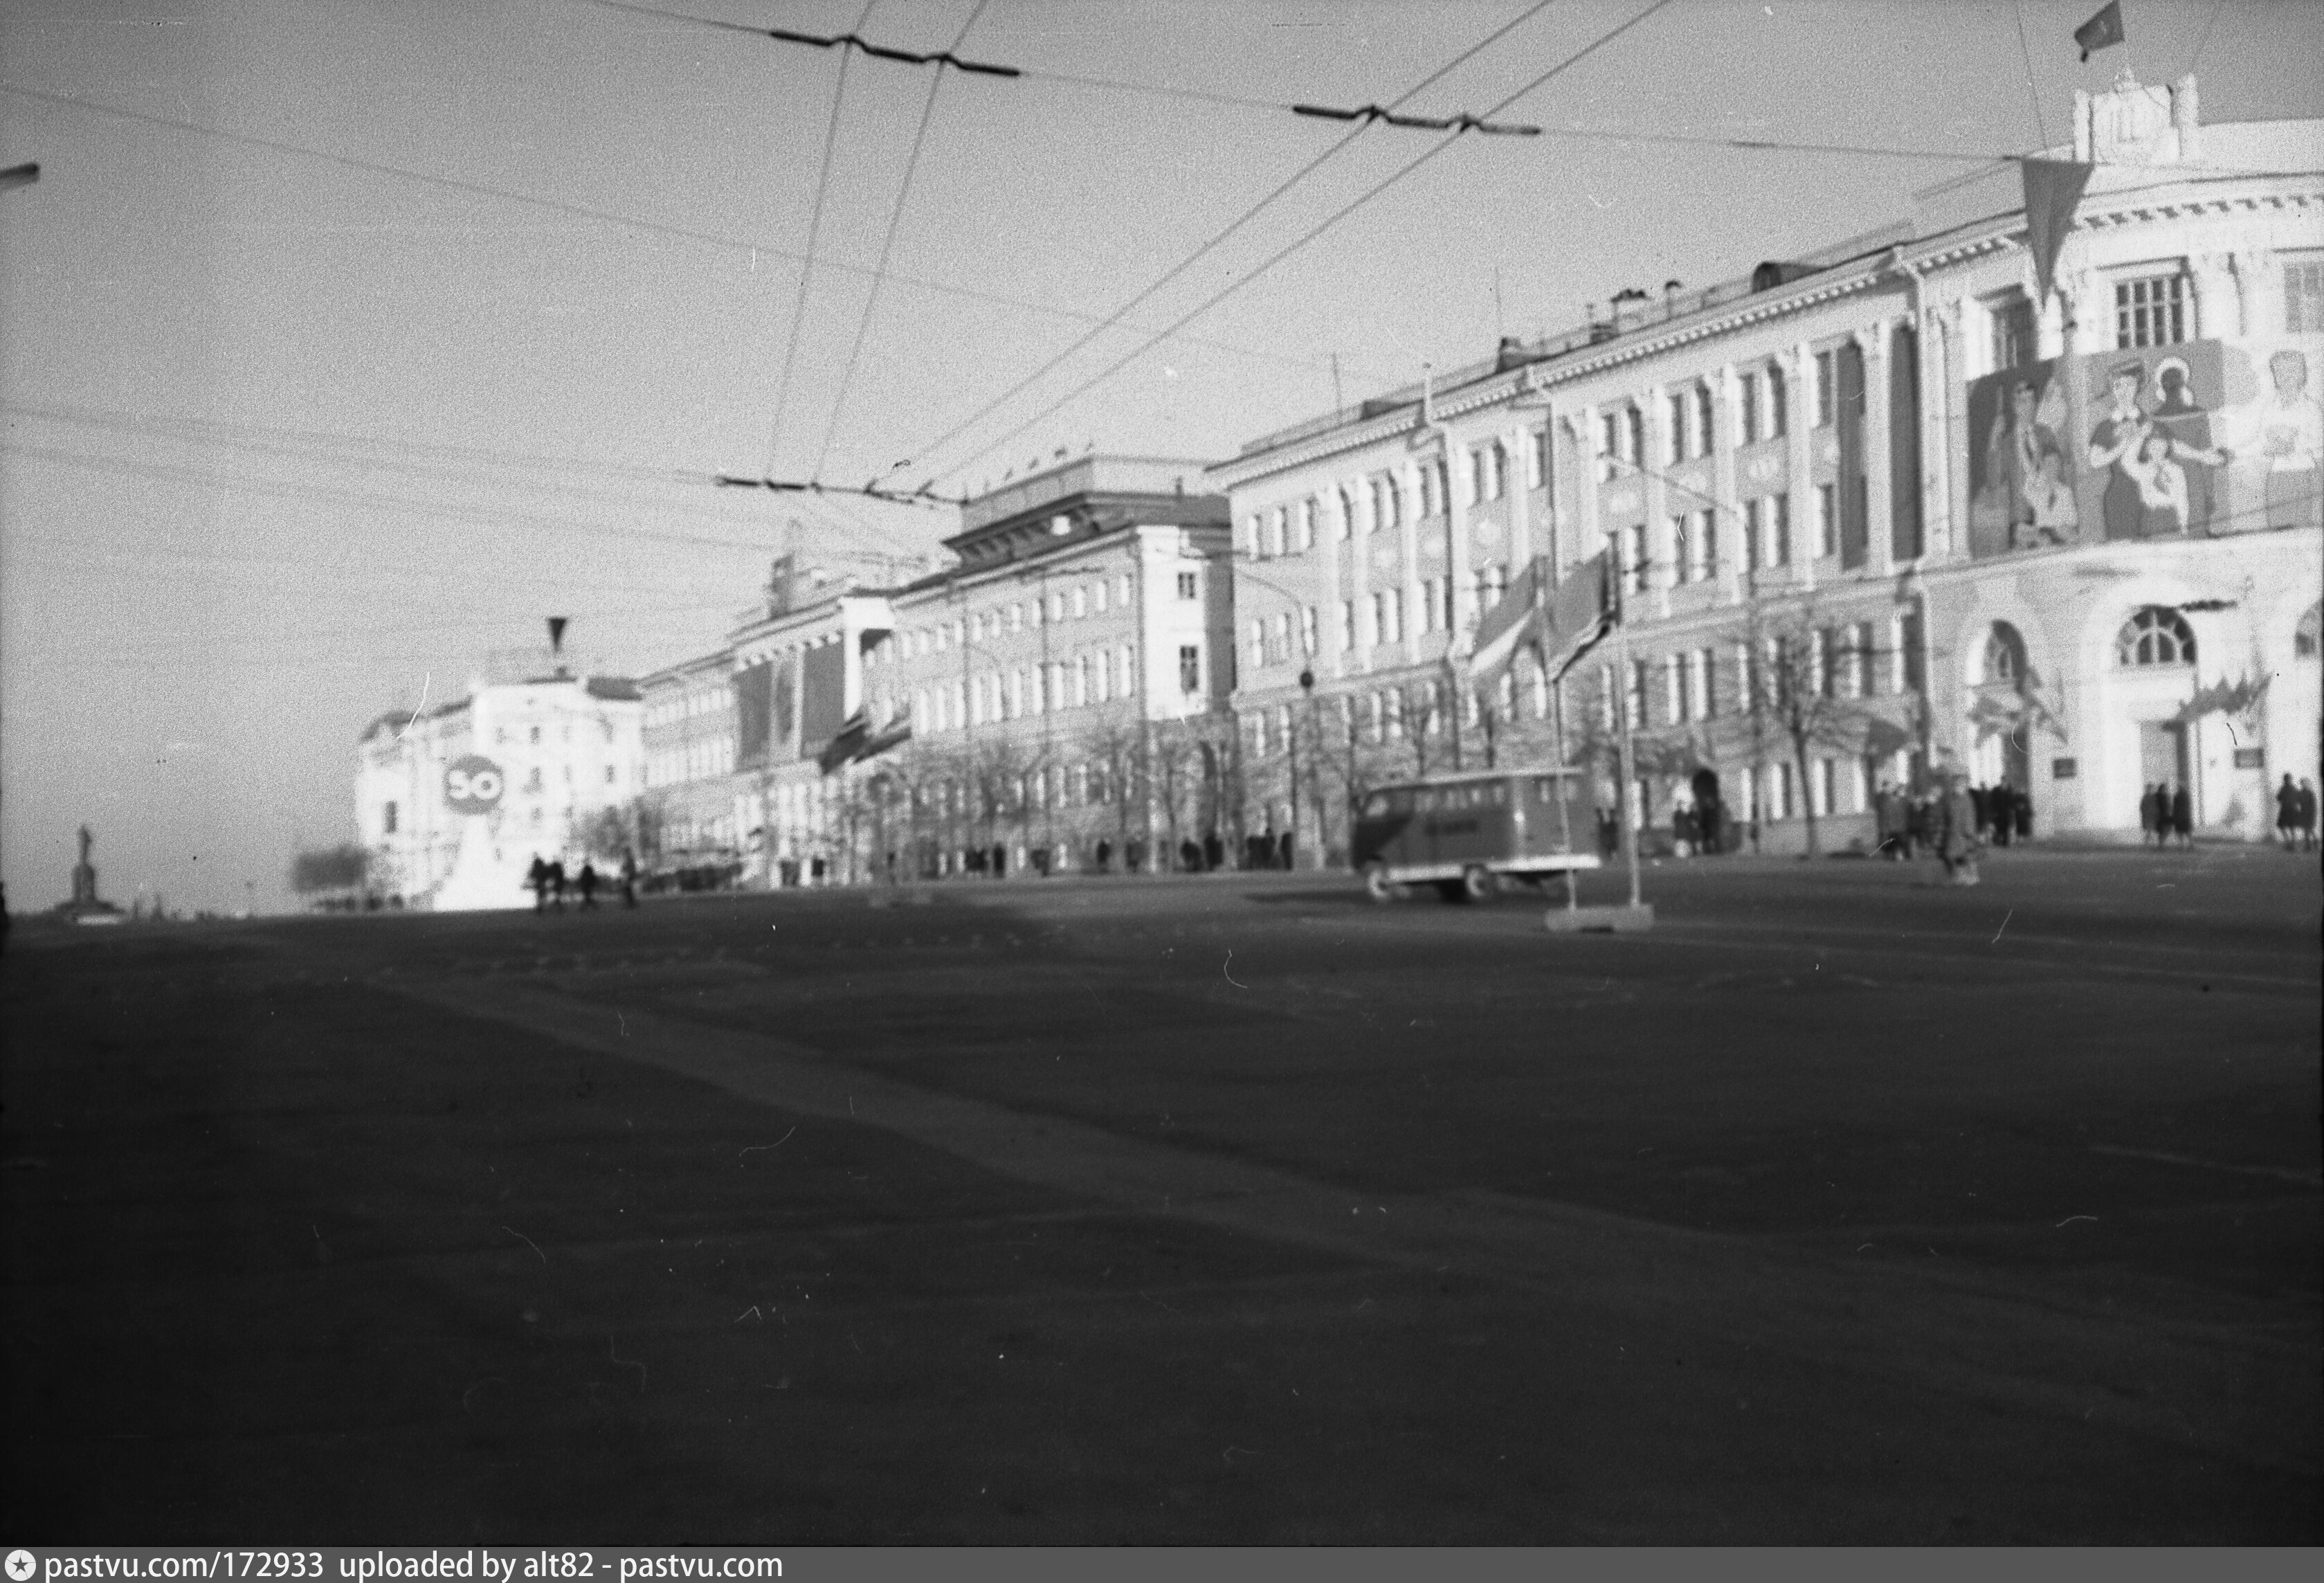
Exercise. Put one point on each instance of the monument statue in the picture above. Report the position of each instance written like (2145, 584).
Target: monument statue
(84, 877)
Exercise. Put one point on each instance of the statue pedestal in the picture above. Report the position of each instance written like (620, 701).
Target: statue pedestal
(485, 876)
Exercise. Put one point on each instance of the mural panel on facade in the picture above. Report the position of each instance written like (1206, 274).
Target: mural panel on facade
(2199, 440)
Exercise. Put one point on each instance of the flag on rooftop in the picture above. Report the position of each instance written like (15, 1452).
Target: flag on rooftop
(2102, 30)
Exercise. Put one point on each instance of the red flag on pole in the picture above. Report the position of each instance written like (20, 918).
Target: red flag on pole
(2102, 30)
(2053, 189)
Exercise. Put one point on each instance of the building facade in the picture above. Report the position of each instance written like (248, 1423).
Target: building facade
(1872, 513)
(454, 803)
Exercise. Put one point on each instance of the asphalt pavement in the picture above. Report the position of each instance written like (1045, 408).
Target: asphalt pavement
(1841, 1206)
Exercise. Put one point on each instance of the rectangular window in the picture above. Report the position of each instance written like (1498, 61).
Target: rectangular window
(1637, 700)
(1706, 420)
(1347, 515)
(1476, 476)
(1282, 637)
(1707, 680)
(388, 826)
(1428, 604)
(1778, 399)
(1098, 597)
(1706, 533)
(1641, 564)
(1684, 552)
(1827, 521)
(1396, 616)
(1500, 479)
(1376, 621)
(1347, 624)
(1081, 679)
(1678, 407)
(2303, 296)
(1779, 530)
(2013, 333)
(1188, 587)
(1680, 699)
(1081, 602)
(1129, 673)
(1429, 504)
(1308, 643)
(1824, 390)
(1258, 644)
(1190, 667)
(1538, 460)
(1747, 411)
(1609, 445)
(1306, 525)
(1634, 435)
(2150, 311)
(1755, 534)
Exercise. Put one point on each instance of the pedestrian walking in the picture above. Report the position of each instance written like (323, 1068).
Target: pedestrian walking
(588, 885)
(2153, 816)
(1104, 853)
(2183, 815)
(1957, 836)
(629, 876)
(2307, 815)
(2287, 814)
(536, 880)
(557, 883)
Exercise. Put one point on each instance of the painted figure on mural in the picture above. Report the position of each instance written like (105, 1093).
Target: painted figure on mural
(2291, 439)
(2146, 490)
(2179, 414)
(2023, 463)
(2114, 438)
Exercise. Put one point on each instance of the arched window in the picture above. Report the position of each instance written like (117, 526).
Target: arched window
(2005, 655)
(2156, 636)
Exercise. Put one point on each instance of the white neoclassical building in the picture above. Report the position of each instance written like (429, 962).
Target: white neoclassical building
(2070, 544)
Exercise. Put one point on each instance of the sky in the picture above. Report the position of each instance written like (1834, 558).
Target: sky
(341, 344)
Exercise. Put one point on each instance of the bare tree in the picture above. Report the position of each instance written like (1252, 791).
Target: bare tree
(1805, 683)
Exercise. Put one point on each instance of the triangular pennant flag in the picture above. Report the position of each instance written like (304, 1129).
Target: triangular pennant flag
(2053, 189)
(2102, 30)
(555, 634)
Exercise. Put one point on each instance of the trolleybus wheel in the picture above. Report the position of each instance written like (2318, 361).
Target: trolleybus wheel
(1476, 884)
(1375, 882)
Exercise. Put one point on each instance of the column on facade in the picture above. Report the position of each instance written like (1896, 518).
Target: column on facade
(1655, 494)
(1799, 462)
(1520, 440)
(1407, 478)
(1589, 532)
(2253, 268)
(2218, 304)
(1458, 518)
(1945, 379)
(2083, 311)
(1879, 519)
(1725, 510)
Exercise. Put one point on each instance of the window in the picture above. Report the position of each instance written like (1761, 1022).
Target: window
(1747, 411)
(1477, 476)
(1501, 469)
(1188, 587)
(1347, 624)
(1779, 530)
(1706, 672)
(1081, 679)
(534, 736)
(1641, 564)
(1637, 700)
(1428, 604)
(2150, 311)
(1685, 553)
(1538, 460)
(609, 774)
(1678, 411)
(1282, 637)
(1823, 390)
(2156, 636)
(1778, 420)
(1609, 446)
(2013, 333)
(2005, 655)
(387, 825)
(2303, 296)
(1306, 527)
(1429, 504)
(1081, 602)
(1307, 624)
(1395, 633)
(1258, 644)
(1253, 546)
(1827, 521)
(1376, 621)
(1706, 419)
(1190, 667)
(1634, 436)
(1347, 514)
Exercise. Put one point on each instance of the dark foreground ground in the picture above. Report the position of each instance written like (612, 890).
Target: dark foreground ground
(1840, 1207)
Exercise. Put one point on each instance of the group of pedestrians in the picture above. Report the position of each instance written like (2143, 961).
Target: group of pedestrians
(2295, 816)
(2167, 813)
(548, 881)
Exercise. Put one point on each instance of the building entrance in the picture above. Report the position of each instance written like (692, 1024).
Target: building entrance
(2162, 754)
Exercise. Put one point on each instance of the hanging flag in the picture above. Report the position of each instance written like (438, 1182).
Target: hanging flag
(1507, 627)
(1578, 612)
(847, 745)
(2053, 189)
(2102, 30)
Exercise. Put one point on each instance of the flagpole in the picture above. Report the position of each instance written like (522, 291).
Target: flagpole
(1631, 816)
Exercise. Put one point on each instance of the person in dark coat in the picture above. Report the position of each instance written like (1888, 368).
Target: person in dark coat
(588, 885)
(1104, 854)
(557, 883)
(2150, 814)
(1190, 856)
(1214, 851)
(2183, 815)
(2306, 817)
(630, 876)
(1957, 834)
(536, 880)
(2021, 812)
(2287, 814)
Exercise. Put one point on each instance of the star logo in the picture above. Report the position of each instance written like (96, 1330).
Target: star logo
(20, 1565)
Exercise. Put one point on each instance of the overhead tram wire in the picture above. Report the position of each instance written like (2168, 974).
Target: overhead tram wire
(1591, 48)
(1183, 265)
(887, 245)
(806, 269)
(734, 244)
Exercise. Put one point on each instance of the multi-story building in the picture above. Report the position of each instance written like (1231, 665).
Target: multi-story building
(1879, 510)
(455, 802)
(1066, 681)
(690, 756)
